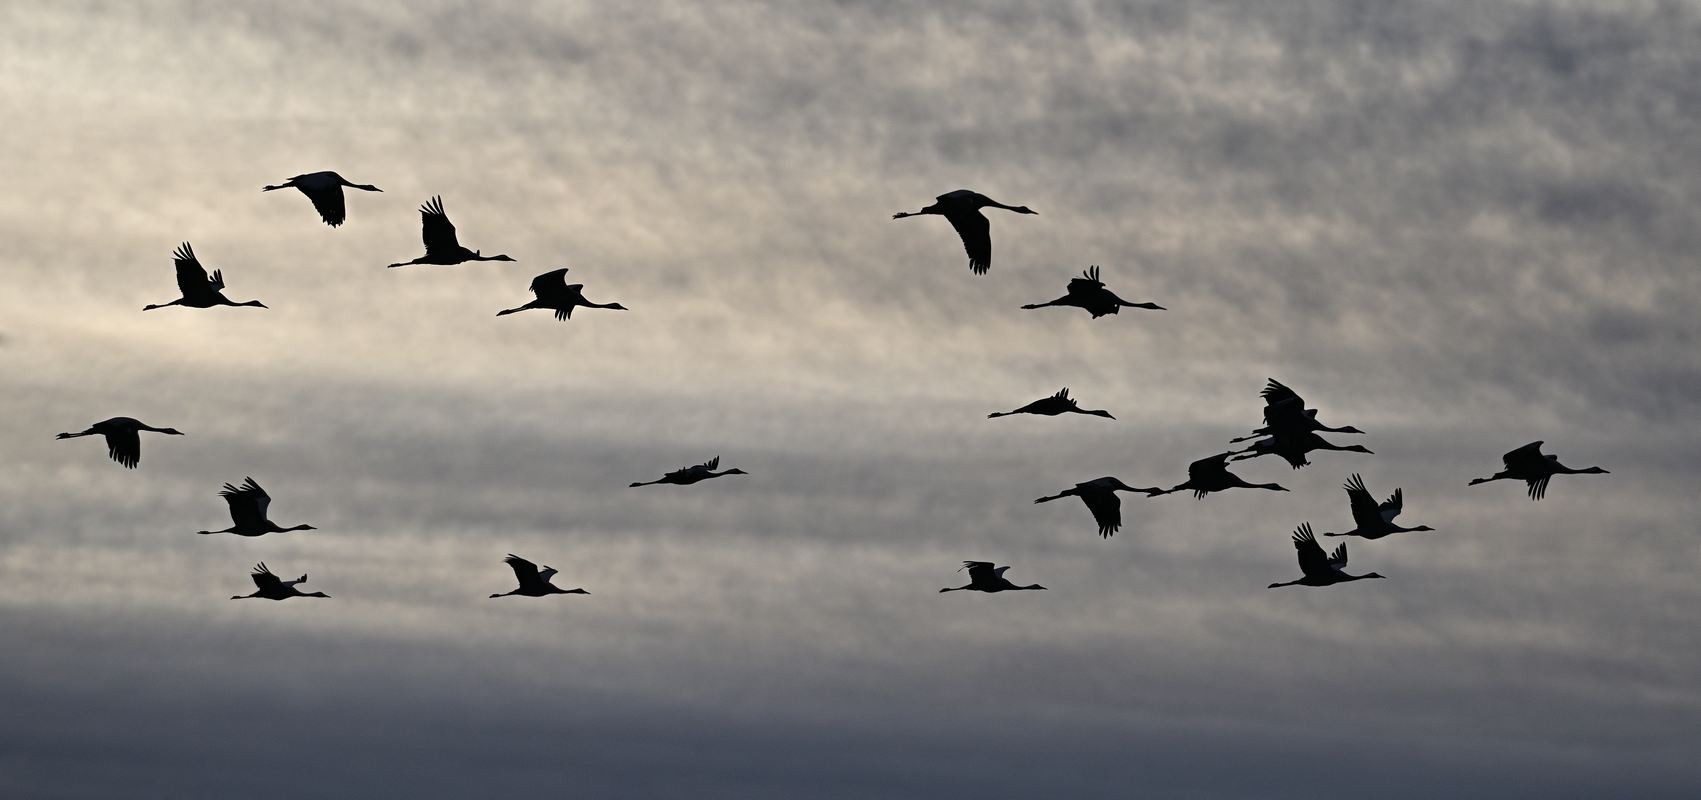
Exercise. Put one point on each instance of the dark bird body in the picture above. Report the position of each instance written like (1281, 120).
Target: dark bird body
(1088, 292)
(1320, 569)
(271, 587)
(248, 505)
(1060, 403)
(552, 291)
(962, 208)
(1530, 465)
(1285, 412)
(685, 476)
(1211, 474)
(325, 189)
(441, 246)
(1374, 521)
(198, 290)
(533, 583)
(1100, 497)
(123, 439)
(984, 577)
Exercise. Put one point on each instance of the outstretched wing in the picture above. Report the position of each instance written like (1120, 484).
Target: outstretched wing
(1208, 467)
(1365, 514)
(192, 280)
(435, 228)
(1527, 459)
(1107, 511)
(1391, 507)
(1312, 562)
(264, 578)
(979, 571)
(1274, 393)
(1087, 284)
(524, 571)
(549, 283)
(328, 201)
(1338, 559)
(248, 503)
(711, 464)
(124, 445)
(977, 237)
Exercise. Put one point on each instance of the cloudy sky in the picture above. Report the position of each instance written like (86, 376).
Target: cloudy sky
(1459, 226)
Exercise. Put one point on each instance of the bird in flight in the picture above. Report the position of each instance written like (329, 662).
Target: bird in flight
(984, 577)
(1088, 292)
(1285, 412)
(1060, 403)
(533, 583)
(123, 439)
(1211, 474)
(1320, 569)
(1293, 447)
(248, 505)
(962, 209)
(552, 291)
(325, 189)
(198, 290)
(1374, 521)
(685, 476)
(1100, 497)
(271, 587)
(441, 246)
(1530, 465)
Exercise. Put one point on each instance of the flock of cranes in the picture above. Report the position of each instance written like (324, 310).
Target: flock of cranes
(1290, 430)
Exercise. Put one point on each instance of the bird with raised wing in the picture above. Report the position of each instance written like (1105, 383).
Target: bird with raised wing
(685, 476)
(1320, 569)
(984, 577)
(1530, 465)
(198, 290)
(441, 246)
(1088, 292)
(962, 209)
(533, 582)
(1060, 403)
(1294, 446)
(271, 587)
(123, 438)
(248, 504)
(1099, 495)
(552, 291)
(1285, 412)
(1374, 521)
(1211, 474)
(325, 189)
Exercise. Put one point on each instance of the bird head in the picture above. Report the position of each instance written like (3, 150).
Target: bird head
(254, 303)
(575, 591)
(326, 596)
(1035, 586)
(1423, 528)
(1593, 471)
(1101, 413)
(236, 597)
(1374, 575)
(1024, 210)
(1347, 429)
(1358, 448)
(617, 307)
(1475, 481)
(303, 527)
(735, 471)
(172, 431)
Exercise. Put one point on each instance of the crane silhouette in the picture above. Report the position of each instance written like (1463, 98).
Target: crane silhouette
(552, 291)
(533, 583)
(271, 587)
(1374, 521)
(1088, 292)
(1211, 474)
(198, 290)
(1293, 448)
(248, 506)
(1285, 412)
(984, 577)
(1100, 497)
(1530, 465)
(962, 208)
(685, 476)
(1060, 403)
(123, 439)
(1319, 569)
(441, 246)
(325, 189)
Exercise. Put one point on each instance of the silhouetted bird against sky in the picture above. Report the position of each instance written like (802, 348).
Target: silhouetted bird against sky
(1088, 292)
(983, 577)
(1319, 569)
(554, 292)
(686, 476)
(1060, 403)
(441, 247)
(1374, 521)
(1100, 496)
(123, 439)
(1529, 465)
(962, 208)
(533, 583)
(325, 189)
(1285, 412)
(248, 506)
(1211, 474)
(198, 290)
(271, 587)
(1293, 447)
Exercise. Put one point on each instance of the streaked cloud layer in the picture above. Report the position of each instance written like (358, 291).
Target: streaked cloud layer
(1461, 227)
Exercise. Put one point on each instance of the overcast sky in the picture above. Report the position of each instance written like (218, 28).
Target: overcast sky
(1459, 226)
